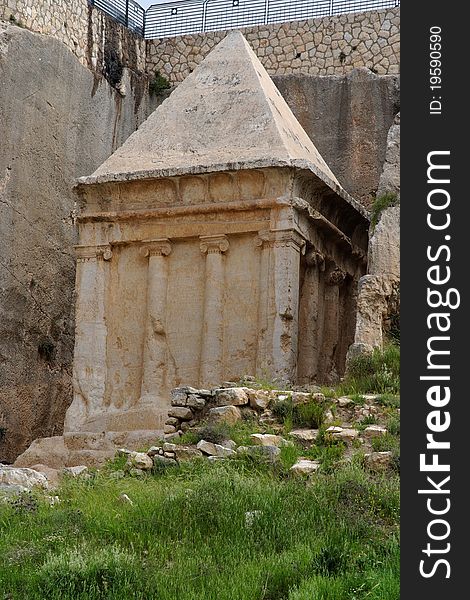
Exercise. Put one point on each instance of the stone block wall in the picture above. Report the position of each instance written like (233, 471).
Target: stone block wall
(324, 46)
(98, 41)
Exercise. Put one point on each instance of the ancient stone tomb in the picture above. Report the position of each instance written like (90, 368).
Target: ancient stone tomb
(214, 243)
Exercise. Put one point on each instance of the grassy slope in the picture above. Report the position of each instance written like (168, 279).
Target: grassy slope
(185, 538)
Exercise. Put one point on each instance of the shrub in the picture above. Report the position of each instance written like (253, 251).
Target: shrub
(389, 400)
(377, 372)
(380, 204)
(213, 432)
(310, 414)
(159, 84)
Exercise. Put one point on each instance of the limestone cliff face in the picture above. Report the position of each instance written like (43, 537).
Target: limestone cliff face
(348, 118)
(57, 122)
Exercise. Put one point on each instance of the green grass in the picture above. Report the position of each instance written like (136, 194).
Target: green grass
(389, 400)
(220, 432)
(310, 414)
(378, 372)
(380, 204)
(185, 537)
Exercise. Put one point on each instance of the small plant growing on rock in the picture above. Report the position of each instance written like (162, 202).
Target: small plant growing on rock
(14, 21)
(380, 204)
(159, 84)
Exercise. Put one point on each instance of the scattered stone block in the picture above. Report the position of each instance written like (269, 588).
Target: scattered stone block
(181, 412)
(231, 397)
(267, 439)
(139, 460)
(378, 461)
(374, 431)
(304, 435)
(225, 414)
(305, 467)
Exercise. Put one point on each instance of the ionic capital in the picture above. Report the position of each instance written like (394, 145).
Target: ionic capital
(86, 253)
(335, 276)
(161, 247)
(214, 244)
(281, 238)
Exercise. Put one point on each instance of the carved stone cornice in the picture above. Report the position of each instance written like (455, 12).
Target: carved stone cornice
(160, 247)
(87, 253)
(281, 238)
(214, 244)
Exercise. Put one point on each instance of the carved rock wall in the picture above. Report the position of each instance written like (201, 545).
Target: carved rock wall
(57, 122)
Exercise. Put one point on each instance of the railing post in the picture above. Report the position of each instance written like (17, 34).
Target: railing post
(331, 7)
(266, 12)
(204, 15)
(127, 13)
(144, 24)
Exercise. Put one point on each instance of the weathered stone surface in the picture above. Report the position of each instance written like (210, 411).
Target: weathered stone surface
(169, 429)
(139, 460)
(378, 461)
(164, 461)
(305, 467)
(378, 291)
(75, 472)
(187, 453)
(267, 439)
(225, 414)
(372, 307)
(384, 245)
(346, 435)
(374, 431)
(231, 397)
(259, 399)
(52, 475)
(195, 402)
(49, 451)
(168, 447)
(304, 435)
(356, 111)
(390, 178)
(197, 146)
(180, 412)
(26, 478)
(58, 121)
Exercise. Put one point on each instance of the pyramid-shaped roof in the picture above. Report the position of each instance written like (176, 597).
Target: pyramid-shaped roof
(226, 115)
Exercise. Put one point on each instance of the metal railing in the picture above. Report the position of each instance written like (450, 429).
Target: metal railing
(197, 16)
(185, 17)
(127, 12)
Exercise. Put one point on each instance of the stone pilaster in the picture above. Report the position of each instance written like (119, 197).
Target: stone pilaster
(89, 370)
(279, 311)
(211, 369)
(310, 317)
(154, 383)
(334, 278)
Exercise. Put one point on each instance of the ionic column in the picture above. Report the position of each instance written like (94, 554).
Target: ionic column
(334, 278)
(89, 365)
(285, 247)
(310, 318)
(155, 355)
(211, 365)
